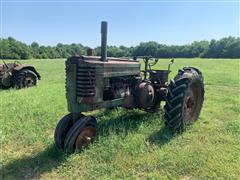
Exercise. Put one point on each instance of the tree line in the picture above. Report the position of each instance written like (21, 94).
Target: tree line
(228, 47)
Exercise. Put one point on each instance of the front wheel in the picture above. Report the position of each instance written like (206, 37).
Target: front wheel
(80, 134)
(184, 99)
(61, 130)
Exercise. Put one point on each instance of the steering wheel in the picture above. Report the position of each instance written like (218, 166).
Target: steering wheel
(150, 61)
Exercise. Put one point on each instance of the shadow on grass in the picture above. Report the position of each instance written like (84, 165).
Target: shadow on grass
(129, 121)
(31, 167)
(161, 137)
(2, 89)
(121, 123)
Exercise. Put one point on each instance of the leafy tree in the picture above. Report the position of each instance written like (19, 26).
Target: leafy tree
(146, 49)
(228, 47)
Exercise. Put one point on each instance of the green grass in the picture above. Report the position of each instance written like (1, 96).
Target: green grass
(131, 144)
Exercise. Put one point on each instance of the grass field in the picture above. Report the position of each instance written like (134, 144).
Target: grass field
(130, 144)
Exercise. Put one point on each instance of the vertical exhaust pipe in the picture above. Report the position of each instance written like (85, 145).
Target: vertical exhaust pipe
(104, 41)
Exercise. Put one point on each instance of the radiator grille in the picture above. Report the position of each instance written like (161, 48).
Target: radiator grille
(85, 82)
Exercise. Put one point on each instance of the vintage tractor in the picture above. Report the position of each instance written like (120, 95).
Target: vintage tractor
(105, 82)
(18, 76)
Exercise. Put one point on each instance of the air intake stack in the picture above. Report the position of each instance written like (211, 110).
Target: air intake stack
(104, 41)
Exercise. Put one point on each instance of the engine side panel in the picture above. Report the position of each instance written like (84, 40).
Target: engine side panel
(87, 79)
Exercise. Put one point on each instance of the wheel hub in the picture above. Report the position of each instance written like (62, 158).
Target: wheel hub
(190, 103)
(85, 137)
(28, 81)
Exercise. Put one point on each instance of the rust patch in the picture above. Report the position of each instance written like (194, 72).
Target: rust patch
(85, 137)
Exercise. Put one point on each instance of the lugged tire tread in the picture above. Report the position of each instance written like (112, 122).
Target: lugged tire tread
(178, 97)
(18, 77)
(173, 115)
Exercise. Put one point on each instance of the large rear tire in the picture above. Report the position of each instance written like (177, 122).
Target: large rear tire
(184, 99)
(24, 78)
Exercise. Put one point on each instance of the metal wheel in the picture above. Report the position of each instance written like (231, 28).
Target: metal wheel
(29, 81)
(191, 103)
(85, 137)
(80, 134)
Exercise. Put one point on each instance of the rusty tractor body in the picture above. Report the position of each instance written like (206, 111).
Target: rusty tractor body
(94, 82)
(18, 76)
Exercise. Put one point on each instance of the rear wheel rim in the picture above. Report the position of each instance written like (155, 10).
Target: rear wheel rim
(85, 137)
(28, 82)
(191, 102)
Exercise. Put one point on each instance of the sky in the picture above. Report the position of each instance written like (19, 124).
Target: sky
(129, 22)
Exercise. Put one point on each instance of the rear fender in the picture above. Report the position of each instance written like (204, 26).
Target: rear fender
(31, 68)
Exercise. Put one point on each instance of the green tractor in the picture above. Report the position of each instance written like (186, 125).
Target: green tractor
(18, 76)
(94, 82)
